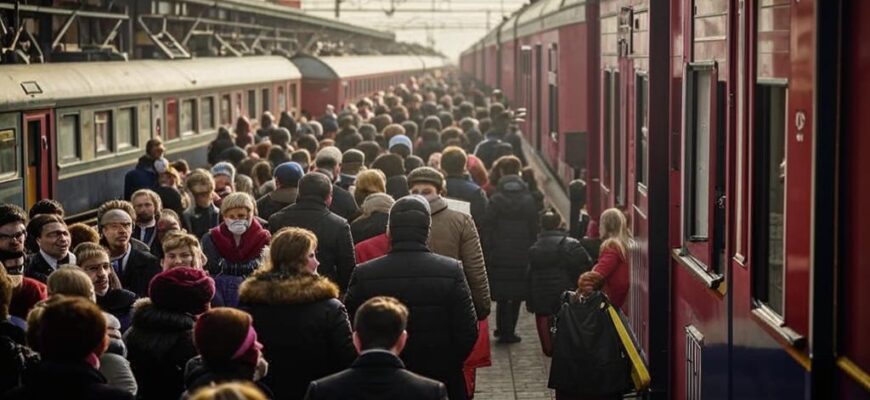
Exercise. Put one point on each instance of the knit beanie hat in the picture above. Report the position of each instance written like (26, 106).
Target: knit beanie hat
(224, 168)
(184, 290)
(351, 161)
(225, 334)
(426, 175)
(410, 219)
(288, 174)
(401, 140)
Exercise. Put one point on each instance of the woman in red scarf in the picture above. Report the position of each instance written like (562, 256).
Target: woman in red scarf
(234, 248)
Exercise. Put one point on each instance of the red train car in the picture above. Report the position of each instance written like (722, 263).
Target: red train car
(729, 132)
(339, 81)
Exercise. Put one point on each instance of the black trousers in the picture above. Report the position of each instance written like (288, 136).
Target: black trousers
(507, 313)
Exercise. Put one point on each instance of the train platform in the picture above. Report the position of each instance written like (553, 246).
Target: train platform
(519, 371)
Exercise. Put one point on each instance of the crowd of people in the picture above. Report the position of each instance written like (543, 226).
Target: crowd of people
(352, 256)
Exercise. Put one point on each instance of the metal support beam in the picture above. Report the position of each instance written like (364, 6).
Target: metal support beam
(63, 29)
(25, 8)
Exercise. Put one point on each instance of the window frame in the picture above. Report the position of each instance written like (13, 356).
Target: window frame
(229, 111)
(210, 99)
(251, 108)
(193, 118)
(759, 249)
(77, 134)
(553, 90)
(266, 99)
(134, 127)
(17, 150)
(110, 134)
(641, 131)
(607, 130)
(698, 249)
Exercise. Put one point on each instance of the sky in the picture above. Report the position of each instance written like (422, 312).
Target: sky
(450, 26)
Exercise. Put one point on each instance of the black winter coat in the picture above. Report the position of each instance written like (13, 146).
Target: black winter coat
(275, 201)
(198, 220)
(343, 203)
(141, 267)
(369, 227)
(509, 229)
(377, 375)
(65, 380)
(485, 150)
(555, 262)
(38, 268)
(334, 243)
(303, 327)
(463, 188)
(397, 186)
(443, 325)
(159, 344)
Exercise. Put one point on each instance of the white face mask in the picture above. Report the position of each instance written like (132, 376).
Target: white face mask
(238, 226)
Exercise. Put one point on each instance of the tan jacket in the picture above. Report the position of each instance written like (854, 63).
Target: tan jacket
(454, 235)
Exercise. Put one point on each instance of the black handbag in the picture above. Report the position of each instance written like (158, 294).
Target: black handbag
(588, 356)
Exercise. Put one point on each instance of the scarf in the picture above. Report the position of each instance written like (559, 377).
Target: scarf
(250, 245)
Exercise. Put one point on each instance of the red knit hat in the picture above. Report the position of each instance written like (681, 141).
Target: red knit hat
(224, 334)
(185, 290)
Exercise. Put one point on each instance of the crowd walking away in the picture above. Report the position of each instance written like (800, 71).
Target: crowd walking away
(362, 251)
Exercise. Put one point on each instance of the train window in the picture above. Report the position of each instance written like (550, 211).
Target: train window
(768, 203)
(703, 159)
(293, 101)
(238, 109)
(606, 140)
(188, 117)
(125, 128)
(103, 131)
(552, 76)
(619, 174)
(69, 136)
(282, 99)
(171, 109)
(206, 113)
(226, 107)
(267, 100)
(641, 141)
(8, 153)
(252, 105)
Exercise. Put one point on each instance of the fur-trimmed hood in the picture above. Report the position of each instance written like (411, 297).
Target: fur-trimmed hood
(282, 289)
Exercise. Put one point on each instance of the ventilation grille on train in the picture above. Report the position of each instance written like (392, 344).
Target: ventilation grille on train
(694, 342)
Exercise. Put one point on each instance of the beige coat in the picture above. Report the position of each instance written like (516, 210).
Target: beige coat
(454, 235)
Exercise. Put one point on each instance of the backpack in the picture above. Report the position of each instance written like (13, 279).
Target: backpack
(15, 360)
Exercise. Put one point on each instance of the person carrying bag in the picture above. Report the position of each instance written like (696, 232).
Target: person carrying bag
(594, 354)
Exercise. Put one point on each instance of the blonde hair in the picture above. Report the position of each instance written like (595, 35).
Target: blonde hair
(70, 281)
(368, 182)
(178, 239)
(288, 251)
(614, 231)
(237, 200)
(229, 391)
(199, 177)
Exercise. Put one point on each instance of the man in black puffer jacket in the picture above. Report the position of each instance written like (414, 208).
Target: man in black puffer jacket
(556, 262)
(509, 229)
(443, 328)
(334, 242)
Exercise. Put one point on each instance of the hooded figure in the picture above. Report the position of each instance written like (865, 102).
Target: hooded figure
(160, 342)
(433, 287)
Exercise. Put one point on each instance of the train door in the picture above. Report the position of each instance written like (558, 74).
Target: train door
(38, 171)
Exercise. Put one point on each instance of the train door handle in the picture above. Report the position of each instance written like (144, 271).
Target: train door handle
(43, 142)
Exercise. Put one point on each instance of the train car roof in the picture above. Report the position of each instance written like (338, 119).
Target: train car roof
(430, 62)
(23, 86)
(355, 66)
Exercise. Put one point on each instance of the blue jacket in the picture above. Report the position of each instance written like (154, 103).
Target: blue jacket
(461, 187)
(143, 176)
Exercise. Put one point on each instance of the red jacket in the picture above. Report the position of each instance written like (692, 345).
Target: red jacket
(372, 248)
(25, 296)
(614, 268)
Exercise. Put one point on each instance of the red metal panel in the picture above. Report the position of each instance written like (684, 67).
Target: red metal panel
(856, 193)
(317, 94)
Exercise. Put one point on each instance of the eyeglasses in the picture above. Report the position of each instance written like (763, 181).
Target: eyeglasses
(15, 236)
